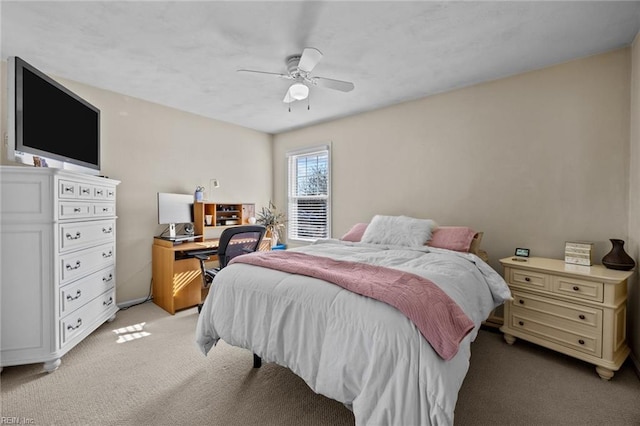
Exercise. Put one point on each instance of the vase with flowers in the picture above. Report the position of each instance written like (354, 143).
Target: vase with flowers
(273, 220)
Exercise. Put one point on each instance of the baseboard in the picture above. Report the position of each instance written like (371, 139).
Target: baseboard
(129, 303)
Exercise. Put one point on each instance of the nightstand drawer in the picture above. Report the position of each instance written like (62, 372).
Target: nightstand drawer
(584, 318)
(581, 289)
(530, 279)
(548, 328)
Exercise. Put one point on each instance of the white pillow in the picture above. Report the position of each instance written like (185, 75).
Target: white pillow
(398, 230)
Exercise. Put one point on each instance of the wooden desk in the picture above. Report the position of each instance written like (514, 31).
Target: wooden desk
(177, 282)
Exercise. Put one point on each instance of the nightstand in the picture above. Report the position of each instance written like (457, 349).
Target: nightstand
(577, 310)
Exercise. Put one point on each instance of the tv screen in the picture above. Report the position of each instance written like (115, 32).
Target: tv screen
(51, 121)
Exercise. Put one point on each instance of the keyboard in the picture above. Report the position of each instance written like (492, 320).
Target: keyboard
(208, 252)
(181, 238)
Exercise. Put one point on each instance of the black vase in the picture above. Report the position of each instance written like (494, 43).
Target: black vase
(617, 258)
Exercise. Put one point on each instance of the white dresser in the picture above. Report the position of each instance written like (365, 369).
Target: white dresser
(58, 261)
(578, 310)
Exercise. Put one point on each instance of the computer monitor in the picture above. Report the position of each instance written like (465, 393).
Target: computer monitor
(174, 209)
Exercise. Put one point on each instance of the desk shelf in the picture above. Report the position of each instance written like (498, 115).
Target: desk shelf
(223, 215)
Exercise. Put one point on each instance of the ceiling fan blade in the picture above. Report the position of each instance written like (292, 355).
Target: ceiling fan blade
(329, 83)
(309, 59)
(287, 76)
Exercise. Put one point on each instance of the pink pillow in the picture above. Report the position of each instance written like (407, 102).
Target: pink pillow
(456, 238)
(355, 233)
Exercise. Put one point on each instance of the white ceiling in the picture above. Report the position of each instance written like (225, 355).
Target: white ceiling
(185, 54)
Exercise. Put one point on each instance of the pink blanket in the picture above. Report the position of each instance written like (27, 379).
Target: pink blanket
(440, 320)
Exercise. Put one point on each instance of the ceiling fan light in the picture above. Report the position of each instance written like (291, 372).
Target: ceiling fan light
(298, 91)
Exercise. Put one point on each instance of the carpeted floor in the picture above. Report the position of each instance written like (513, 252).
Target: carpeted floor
(150, 372)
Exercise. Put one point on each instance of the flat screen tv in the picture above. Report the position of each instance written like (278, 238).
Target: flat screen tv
(50, 121)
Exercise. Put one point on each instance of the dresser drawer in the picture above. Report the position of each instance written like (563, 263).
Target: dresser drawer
(581, 289)
(583, 318)
(85, 191)
(530, 279)
(100, 192)
(76, 294)
(85, 234)
(74, 210)
(544, 327)
(80, 320)
(68, 189)
(79, 264)
(104, 209)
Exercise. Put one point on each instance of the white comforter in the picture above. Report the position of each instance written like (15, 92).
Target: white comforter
(351, 348)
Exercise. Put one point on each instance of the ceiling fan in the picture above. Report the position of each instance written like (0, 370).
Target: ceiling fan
(299, 69)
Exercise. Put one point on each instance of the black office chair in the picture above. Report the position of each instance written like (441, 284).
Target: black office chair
(233, 242)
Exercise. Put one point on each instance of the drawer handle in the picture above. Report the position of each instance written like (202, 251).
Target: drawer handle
(71, 268)
(576, 288)
(582, 317)
(527, 279)
(78, 324)
(77, 296)
(107, 279)
(99, 192)
(105, 209)
(68, 189)
(77, 209)
(107, 255)
(521, 322)
(71, 237)
(110, 193)
(521, 301)
(108, 302)
(107, 230)
(85, 190)
(581, 341)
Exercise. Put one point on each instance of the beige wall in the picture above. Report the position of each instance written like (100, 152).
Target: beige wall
(531, 160)
(152, 148)
(633, 246)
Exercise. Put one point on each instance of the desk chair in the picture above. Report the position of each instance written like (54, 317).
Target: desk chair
(233, 242)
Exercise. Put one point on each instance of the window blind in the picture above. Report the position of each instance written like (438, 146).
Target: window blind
(309, 186)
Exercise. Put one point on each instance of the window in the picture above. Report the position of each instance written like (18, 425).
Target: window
(309, 210)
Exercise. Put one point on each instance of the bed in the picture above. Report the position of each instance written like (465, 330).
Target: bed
(353, 348)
